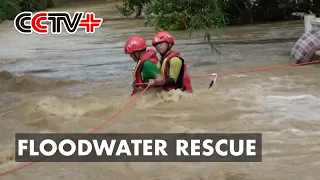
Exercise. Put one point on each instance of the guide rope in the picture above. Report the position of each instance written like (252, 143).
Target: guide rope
(136, 97)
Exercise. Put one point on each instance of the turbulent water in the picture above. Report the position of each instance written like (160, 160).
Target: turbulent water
(72, 83)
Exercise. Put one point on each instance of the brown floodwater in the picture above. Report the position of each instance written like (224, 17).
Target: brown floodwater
(71, 83)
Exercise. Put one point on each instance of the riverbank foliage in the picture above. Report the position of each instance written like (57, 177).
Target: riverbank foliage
(188, 15)
(175, 14)
(191, 15)
(10, 8)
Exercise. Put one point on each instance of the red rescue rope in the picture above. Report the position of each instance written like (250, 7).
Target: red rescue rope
(250, 70)
(259, 69)
(139, 94)
(89, 132)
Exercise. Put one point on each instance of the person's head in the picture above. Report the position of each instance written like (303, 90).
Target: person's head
(163, 42)
(134, 46)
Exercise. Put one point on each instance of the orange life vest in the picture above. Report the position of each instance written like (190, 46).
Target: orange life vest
(150, 55)
(184, 80)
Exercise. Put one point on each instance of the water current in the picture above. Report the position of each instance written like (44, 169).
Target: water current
(71, 83)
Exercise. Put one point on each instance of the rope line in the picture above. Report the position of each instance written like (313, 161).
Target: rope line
(135, 98)
(139, 94)
(258, 69)
(250, 70)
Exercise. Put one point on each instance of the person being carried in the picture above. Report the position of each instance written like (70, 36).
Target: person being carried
(306, 47)
(146, 70)
(173, 66)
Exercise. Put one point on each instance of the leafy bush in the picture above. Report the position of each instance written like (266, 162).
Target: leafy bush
(130, 6)
(188, 15)
(10, 8)
(35, 5)
(185, 14)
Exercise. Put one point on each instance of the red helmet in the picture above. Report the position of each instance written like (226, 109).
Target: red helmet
(162, 36)
(135, 43)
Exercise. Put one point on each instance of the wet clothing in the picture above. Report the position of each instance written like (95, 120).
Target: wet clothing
(305, 48)
(147, 68)
(149, 71)
(174, 70)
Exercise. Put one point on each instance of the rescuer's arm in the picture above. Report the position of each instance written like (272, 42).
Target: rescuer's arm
(135, 87)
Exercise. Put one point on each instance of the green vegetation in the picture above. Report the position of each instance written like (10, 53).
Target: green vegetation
(191, 15)
(10, 8)
(237, 11)
(131, 6)
(188, 15)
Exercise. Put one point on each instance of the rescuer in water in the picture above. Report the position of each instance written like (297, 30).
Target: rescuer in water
(147, 68)
(173, 66)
